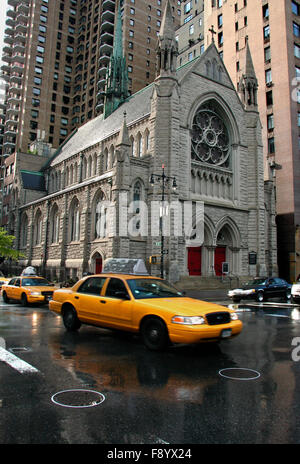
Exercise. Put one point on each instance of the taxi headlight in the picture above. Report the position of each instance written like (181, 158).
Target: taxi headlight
(34, 293)
(233, 316)
(191, 320)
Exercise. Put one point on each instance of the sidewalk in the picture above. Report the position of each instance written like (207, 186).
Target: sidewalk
(212, 295)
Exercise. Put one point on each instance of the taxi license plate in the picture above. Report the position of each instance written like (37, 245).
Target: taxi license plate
(226, 333)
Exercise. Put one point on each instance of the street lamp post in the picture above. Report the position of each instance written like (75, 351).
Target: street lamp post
(164, 181)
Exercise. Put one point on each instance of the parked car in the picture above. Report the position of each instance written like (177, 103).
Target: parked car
(146, 305)
(261, 289)
(28, 290)
(296, 292)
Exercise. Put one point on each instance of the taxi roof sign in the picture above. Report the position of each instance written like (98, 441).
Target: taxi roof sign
(125, 266)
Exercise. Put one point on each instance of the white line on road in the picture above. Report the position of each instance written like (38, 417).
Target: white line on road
(15, 362)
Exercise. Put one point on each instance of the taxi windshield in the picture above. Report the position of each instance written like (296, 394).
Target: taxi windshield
(36, 282)
(152, 288)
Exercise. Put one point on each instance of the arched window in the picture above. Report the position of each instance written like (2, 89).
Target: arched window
(84, 168)
(54, 225)
(71, 174)
(101, 209)
(74, 229)
(37, 228)
(139, 145)
(24, 231)
(89, 167)
(210, 137)
(147, 140)
(132, 142)
(105, 160)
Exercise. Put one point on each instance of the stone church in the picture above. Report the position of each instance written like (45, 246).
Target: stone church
(110, 187)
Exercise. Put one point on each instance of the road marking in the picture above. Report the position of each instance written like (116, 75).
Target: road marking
(15, 362)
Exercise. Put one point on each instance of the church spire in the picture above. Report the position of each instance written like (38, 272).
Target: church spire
(167, 47)
(116, 86)
(248, 83)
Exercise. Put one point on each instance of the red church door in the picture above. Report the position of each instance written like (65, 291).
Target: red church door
(220, 257)
(194, 260)
(98, 265)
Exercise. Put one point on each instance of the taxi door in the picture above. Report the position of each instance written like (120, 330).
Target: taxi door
(16, 290)
(87, 299)
(116, 305)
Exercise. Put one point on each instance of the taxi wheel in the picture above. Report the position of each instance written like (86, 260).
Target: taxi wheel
(71, 321)
(5, 297)
(154, 334)
(24, 301)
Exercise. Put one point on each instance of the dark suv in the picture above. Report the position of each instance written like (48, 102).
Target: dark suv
(261, 289)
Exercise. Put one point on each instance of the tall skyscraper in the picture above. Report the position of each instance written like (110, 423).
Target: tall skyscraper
(56, 55)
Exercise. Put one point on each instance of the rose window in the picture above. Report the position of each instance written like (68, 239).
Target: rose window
(210, 138)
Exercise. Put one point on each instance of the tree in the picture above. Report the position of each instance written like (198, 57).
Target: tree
(6, 245)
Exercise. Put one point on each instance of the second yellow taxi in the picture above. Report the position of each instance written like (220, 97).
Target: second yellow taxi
(28, 290)
(146, 305)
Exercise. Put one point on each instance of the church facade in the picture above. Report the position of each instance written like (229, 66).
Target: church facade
(190, 129)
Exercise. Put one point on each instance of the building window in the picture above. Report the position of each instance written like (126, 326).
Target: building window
(268, 75)
(266, 32)
(296, 51)
(269, 98)
(296, 29)
(220, 20)
(267, 54)
(265, 11)
(270, 121)
(75, 222)
(295, 8)
(271, 145)
(101, 217)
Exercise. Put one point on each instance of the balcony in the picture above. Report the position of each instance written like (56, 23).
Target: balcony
(17, 67)
(108, 16)
(10, 22)
(104, 59)
(108, 5)
(6, 57)
(13, 2)
(5, 76)
(10, 131)
(20, 37)
(18, 58)
(6, 69)
(106, 48)
(14, 100)
(9, 31)
(107, 26)
(8, 39)
(21, 27)
(7, 49)
(19, 47)
(15, 77)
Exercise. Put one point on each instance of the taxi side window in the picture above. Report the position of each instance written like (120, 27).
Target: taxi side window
(17, 283)
(116, 289)
(92, 286)
(12, 281)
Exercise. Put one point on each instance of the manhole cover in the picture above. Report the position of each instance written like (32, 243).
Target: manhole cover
(239, 373)
(78, 398)
(19, 349)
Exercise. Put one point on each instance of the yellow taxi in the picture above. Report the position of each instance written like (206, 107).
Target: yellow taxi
(28, 289)
(146, 305)
(3, 279)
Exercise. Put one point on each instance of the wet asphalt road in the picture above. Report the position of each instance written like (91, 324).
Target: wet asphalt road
(130, 395)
